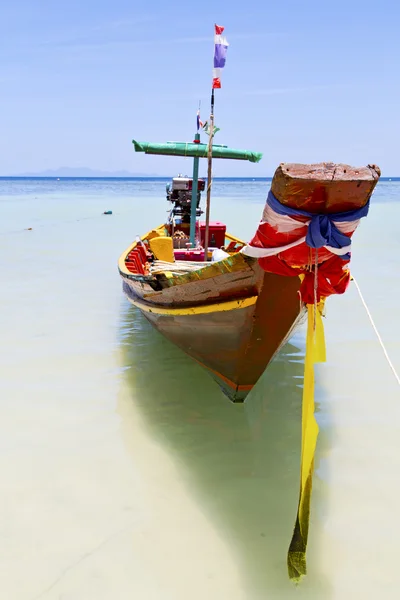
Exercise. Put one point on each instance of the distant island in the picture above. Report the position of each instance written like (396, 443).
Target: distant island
(82, 172)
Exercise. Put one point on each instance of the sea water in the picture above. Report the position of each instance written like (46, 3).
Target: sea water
(126, 473)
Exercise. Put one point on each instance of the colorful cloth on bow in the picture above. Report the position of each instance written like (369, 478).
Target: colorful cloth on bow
(291, 233)
(288, 241)
(220, 51)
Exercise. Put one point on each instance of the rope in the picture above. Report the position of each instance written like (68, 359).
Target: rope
(315, 289)
(376, 331)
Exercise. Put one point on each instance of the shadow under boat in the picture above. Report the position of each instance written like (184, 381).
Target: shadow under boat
(240, 461)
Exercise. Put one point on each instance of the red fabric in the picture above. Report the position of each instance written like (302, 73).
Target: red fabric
(216, 83)
(273, 264)
(219, 29)
(331, 276)
(304, 255)
(267, 237)
(331, 279)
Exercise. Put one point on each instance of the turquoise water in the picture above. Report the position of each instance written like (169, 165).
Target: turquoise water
(127, 473)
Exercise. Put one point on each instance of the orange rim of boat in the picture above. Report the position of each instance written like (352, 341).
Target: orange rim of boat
(231, 384)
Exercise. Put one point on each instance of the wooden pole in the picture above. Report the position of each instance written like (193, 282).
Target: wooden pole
(193, 206)
(209, 177)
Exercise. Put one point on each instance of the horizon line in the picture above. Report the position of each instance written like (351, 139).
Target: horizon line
(387, 177)
(119, 177)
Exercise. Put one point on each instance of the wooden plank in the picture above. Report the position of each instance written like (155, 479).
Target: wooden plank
(228, 285)
(233, 264)
(324, 187)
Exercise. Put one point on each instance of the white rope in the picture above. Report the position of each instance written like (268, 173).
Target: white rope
(376, 331)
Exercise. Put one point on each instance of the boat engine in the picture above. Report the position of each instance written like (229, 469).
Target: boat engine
(179, 193)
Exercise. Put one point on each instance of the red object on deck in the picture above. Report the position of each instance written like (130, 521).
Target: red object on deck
(134, 261)
(181, 254)
(142, 253)
(216, 234)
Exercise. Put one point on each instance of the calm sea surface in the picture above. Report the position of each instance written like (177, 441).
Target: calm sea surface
(126, 473)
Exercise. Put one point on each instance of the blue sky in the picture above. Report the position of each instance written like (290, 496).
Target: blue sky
(304, 81)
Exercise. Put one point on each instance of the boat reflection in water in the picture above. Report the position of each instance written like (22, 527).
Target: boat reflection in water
(238, 461)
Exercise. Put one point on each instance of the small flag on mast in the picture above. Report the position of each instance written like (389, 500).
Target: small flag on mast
(199, 122)
(220, 50)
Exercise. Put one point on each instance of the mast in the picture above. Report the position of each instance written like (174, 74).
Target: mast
(195, 186)
(198, 150)
(220, 50)
(193, 204)
(209, 176)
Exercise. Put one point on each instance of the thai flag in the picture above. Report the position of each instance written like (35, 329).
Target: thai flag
(220, 50)
(199, 123)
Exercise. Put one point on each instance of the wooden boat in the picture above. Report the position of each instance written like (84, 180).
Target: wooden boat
(231, 305)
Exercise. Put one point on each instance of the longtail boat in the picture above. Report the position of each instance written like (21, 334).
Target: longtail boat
(232, 304)
(233, 311)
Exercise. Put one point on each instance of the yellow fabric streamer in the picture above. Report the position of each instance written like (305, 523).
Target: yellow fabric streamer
(315, 353)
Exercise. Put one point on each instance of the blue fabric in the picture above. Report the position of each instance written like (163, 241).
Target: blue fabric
(321, 231)
(220, 52)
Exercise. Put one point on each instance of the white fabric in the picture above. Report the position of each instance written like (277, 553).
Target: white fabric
(219, 254)
(339, 251)
(220, 39)
(347, 226)
(263, 252)
(281, 223)
(286, 224)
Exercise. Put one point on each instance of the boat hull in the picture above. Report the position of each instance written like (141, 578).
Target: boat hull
(233, 315)
(234, 337)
